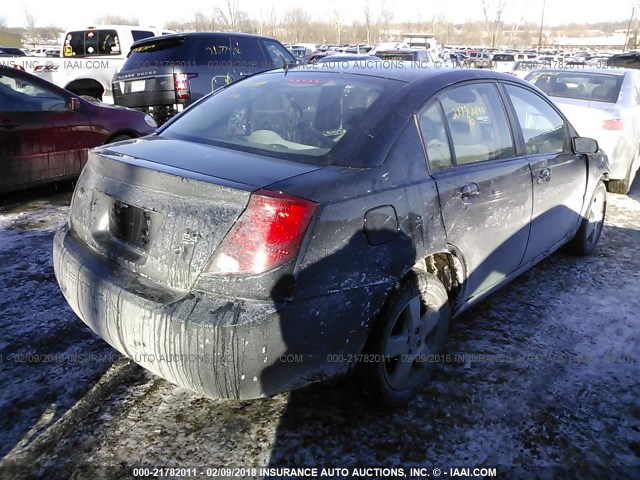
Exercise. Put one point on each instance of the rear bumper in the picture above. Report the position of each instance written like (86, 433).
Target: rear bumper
(221, 348)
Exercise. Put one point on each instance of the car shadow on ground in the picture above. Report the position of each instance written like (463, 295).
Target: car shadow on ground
(475, 412)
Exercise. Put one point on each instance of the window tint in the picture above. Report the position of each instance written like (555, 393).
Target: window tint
(246, 52)
(86, 43)
(434, 136)
(23, 95)
(598, 87)
(478, 123)
(543, 129)
(277, 54)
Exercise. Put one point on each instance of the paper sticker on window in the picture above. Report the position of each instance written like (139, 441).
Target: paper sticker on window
(68, 51)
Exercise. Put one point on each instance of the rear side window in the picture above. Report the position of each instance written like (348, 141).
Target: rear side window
(477, 123)
(141, 34)
(503, 58)
(247, 52)
(87, 43)
(434, 136)
(543, 129)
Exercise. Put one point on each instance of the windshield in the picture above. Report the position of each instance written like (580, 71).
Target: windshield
(598, 87)
(300, 116)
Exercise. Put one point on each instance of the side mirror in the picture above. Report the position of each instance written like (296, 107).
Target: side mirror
(74, 104)
(584, 145)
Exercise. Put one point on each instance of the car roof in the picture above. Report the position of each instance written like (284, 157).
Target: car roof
(604, 71)
(204, 34)
(406, 71)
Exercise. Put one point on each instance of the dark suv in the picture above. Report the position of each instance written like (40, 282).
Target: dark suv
(162, 75)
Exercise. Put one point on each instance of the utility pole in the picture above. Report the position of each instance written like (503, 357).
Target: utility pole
(626, 38)
(544, 3)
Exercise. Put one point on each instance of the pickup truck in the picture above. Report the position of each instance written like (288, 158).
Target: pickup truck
(88, 59)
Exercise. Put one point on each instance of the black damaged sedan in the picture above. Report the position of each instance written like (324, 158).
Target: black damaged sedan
(299, 224)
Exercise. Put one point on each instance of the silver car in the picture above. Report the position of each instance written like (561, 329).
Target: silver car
(603, 104)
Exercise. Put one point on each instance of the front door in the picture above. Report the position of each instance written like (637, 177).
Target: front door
(484, 188)
(559, 175)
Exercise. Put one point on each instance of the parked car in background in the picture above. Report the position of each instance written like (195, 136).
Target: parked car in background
(503, 62)
(406, 54)
(347, 57)
(283, 226)
(602, 104)
(11, 52)
(163, 75)
(87, 58)
(522, 68)
(45, 131)
(479, 59)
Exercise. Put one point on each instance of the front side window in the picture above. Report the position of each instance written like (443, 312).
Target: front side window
(478, 123)
(301, 116)
(543, 129)
(22, 95)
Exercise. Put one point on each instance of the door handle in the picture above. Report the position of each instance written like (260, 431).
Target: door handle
(544, 176)
(8, 124)
(469, 190)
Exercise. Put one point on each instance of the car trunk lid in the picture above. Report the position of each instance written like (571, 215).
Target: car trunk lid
(163, 220)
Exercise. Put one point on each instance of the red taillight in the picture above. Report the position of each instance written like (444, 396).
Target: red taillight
(613, 124)
(268, 234)
(181, 85)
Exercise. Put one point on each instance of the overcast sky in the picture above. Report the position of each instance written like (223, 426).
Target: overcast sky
(82, 13)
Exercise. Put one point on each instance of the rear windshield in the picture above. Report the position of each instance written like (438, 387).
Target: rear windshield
(596, 87)
(171, 51)
(503, 58)
(87, 43)
(300, 116)
(396, 55)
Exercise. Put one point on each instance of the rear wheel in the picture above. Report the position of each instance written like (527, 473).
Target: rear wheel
(406, 341)
(586, 240)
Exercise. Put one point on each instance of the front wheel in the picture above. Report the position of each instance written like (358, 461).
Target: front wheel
(586, 239)
(407, 340)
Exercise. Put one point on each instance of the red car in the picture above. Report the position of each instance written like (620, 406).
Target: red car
(45, 131)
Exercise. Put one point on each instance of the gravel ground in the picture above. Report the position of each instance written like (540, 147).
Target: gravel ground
(545, 373)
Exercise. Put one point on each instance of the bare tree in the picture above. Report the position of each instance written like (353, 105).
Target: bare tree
(297, 21)
(232, 18)
(493, 17)
(368, 22)
(30, 23)
(117, 20)
(336, 22)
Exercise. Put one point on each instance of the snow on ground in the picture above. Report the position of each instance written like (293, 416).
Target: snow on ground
(544, 373)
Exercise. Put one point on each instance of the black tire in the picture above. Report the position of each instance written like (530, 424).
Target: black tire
(586, 239)
(400, 369)
(119, 138)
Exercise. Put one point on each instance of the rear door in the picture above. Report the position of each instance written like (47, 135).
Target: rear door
(559, 175)
(484, 188)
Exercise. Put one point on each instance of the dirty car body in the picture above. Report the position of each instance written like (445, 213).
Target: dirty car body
(251, 246)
